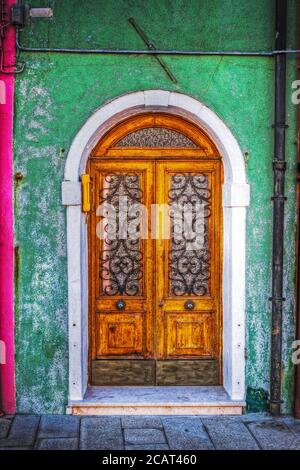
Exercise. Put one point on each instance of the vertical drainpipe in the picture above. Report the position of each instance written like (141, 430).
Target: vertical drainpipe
(279, 166)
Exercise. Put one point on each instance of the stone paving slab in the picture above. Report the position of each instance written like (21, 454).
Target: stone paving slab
(274, 435)
(144, 436)
(292, 424)
(55, 426)
(295, 428)
(4, 427)
(186, 433)
(101, 433)
(22, 432)
(153, 422)
(229, 433)
(57, 444)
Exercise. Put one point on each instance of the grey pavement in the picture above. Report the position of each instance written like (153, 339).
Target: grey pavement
(63, 432)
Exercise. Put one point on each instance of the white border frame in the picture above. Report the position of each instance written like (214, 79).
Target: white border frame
(236, 196)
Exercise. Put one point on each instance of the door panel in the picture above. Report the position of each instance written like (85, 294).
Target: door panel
(123, 372)
(120, 334)
(190, 334)
(187, 372)
(156, 302)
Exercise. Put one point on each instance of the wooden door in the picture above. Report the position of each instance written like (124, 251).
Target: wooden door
(121, 274)
(155, 297)
(188, 294)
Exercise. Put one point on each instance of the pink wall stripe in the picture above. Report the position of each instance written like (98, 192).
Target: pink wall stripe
(6, 230)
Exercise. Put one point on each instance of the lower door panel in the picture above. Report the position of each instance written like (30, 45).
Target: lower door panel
(123, 372)
(151, 372)
(189, 372)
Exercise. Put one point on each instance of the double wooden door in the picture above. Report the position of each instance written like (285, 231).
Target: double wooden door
(155, 271)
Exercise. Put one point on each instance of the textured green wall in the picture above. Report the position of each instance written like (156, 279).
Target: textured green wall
(55, 96)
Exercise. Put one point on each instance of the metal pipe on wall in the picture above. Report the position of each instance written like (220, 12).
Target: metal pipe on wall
(279, 166)
(152, 52)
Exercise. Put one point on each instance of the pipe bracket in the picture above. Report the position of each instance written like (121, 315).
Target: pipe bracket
(280, 125)
(278, 198)
(277, 299)
(279, 165)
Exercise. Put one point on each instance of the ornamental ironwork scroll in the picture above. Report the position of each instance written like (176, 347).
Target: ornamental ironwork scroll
(189, 260)
(121, 263)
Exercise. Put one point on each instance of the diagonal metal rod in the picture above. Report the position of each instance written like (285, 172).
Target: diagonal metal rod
(151, 47)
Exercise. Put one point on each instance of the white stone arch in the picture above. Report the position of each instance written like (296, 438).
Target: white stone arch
(235, 200)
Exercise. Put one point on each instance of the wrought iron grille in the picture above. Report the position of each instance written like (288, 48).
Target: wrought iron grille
(155, 137)
(121, 264)
(189, 257)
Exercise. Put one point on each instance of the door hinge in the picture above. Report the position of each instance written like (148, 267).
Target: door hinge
(85, 187)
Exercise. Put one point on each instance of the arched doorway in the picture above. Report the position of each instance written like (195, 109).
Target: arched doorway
(235, 199)
(155, 264)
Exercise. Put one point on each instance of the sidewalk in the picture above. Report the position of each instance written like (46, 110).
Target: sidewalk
(59, 432)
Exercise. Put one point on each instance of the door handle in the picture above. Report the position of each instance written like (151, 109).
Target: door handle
(161, 303)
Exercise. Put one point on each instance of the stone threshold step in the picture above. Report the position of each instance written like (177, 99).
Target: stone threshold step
(179, 400)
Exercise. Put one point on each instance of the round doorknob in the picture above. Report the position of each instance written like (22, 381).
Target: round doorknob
(120, 304)
(189, 305)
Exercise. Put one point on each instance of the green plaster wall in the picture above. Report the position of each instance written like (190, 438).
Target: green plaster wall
(57, 93)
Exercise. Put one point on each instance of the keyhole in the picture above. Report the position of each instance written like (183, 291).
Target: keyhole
(120, 304)
(189, 305)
